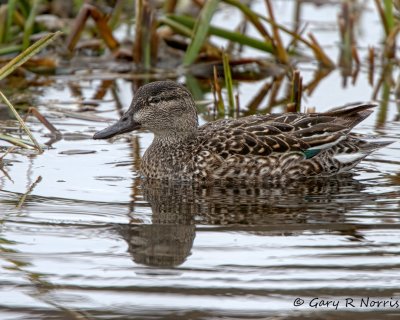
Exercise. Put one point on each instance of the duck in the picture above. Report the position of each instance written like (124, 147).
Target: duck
(256, 149)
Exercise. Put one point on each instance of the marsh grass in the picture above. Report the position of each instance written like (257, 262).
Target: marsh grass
(195, 41)
(219, 104)
(9, 68)
(9, 150)
(200, 31)
(147, 21)
(228, 82)
(296, 94)
(29, 24)
(144, 30)
(21, 122)
(28, 53)
(101, 22)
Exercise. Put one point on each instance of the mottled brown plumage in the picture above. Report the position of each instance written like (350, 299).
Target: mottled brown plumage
(251, 150)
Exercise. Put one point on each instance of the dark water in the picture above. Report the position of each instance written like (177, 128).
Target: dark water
(81, 237)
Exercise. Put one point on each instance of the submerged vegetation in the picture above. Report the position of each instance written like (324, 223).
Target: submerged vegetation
(158, 39)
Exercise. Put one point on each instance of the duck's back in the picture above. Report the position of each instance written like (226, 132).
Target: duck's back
(280, 147)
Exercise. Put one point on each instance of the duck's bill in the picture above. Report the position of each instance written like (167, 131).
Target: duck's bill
(117, 128)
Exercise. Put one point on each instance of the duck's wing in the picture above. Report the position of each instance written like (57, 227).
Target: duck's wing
(262, 135)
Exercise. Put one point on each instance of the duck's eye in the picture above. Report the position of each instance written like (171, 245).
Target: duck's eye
(154, 100)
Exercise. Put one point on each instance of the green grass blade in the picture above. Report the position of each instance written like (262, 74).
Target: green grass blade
(200, 31)
(194, 87)
(28, 28)
(9, 150)
(3, 21)
(78, 4)
(14, 64)
(116, 14)
(21, 122)
(388, 5)
(237, 37)
(251, 16)
(170, 6)
(228, 82)
(24, 6)
(14, 48)
(177, 26)
(148, 22)
(17, 142)
(27, 54)
(10, 14)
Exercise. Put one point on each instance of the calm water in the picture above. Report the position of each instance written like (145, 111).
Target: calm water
(81, 237)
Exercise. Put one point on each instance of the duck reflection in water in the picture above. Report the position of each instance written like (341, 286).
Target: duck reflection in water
(178, 208)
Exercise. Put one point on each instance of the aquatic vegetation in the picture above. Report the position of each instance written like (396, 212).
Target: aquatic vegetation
(11, 66)
(159, 30)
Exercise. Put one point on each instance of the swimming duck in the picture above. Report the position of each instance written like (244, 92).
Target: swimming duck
(254, 149)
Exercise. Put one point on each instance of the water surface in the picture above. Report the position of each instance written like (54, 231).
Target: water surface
(81, 236)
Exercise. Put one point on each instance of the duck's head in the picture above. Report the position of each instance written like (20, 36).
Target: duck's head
(163, 107)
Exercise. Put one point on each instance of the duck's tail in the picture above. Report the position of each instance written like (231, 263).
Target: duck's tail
(365, 145)
(369, 144)
(352, 114)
